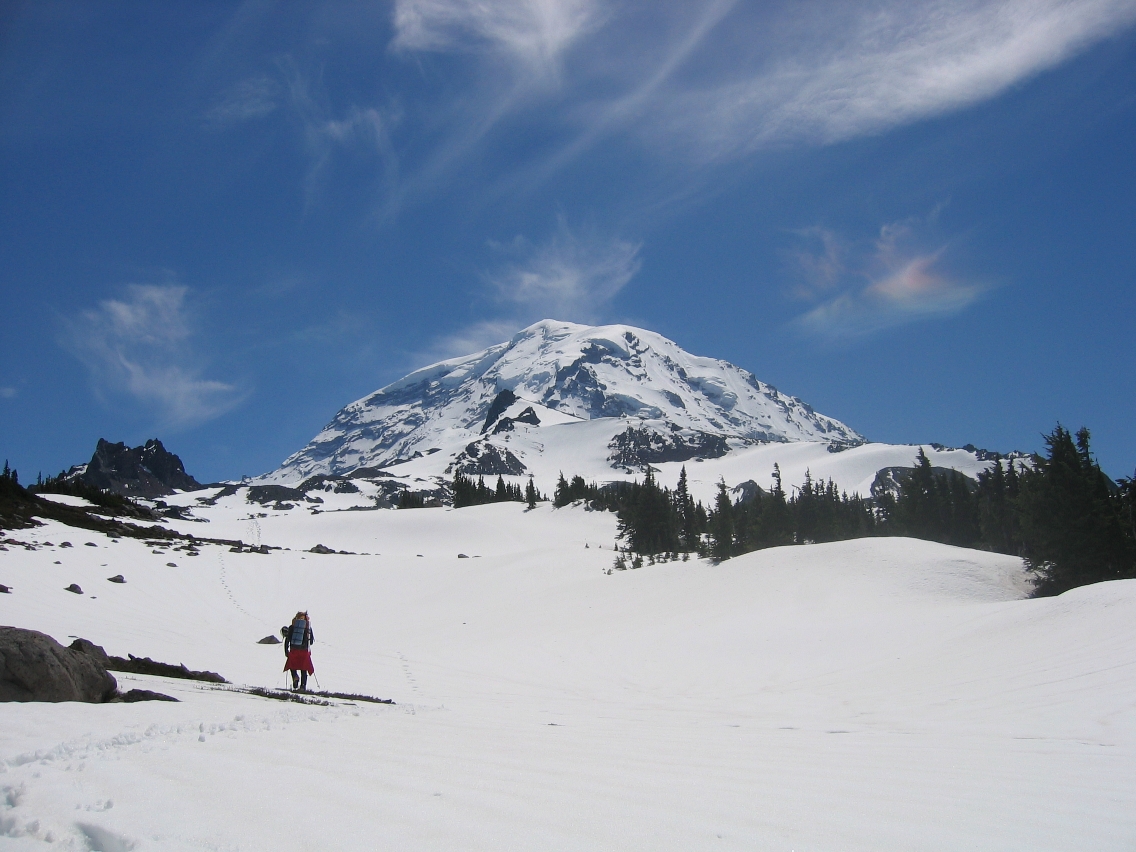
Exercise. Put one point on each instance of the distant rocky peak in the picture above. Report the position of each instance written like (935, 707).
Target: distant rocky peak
(500, 402)
(147, 471)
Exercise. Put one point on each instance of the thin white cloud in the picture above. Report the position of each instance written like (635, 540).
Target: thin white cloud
(532, 33)
(139, 346)
(467, 340)
(822, 263)
(7, 393)
(871, 67)
(249, 99)
(519, 50)
(571, 276)
(362, 130)
(714, 82)
(912, 292)
(893, 284)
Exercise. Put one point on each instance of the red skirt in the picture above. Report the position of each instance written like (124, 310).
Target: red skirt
(299, 660)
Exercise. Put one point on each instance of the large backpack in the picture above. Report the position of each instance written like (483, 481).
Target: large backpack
(299, 633)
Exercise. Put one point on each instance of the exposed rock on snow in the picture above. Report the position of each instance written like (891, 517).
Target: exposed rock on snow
(637, 446)
(144, 665)
(144, 695)
(90, 649)
(483, 459)
(34, 667)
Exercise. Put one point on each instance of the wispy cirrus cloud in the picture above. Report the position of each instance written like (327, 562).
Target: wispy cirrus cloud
(467, 340)
(139, 346)
(361, 131)
(7, 393)
(244, 101)
(571, 275)
(871, 67)
(531, 33)
(894, 283)
(722, 81)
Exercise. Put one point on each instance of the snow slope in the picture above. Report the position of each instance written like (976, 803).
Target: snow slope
(884, 694)
(567, 373)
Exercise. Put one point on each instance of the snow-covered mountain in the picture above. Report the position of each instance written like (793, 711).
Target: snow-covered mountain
(657, 403)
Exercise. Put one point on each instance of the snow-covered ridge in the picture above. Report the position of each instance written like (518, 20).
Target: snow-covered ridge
(566, 373)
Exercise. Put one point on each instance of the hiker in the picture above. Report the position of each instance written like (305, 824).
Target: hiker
(298, 638)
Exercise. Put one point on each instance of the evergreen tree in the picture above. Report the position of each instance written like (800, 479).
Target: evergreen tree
(1072, 519)
(647, 518)
(722, 524)
(411, 500)
(1127, 498)
(916, 508)
(530, 494)
(776, 527)
(560, 495)
(997, 515)
(684, 506)
(466, 492)
(807, 511)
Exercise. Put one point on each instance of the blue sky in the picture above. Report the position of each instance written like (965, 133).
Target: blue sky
(222, 222)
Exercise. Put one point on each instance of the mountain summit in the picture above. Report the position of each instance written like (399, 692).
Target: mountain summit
(658, 402)
(148, 471)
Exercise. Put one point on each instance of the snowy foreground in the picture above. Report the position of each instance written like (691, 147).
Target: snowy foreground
(869, 695)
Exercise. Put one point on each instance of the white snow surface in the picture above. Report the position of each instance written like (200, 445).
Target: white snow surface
(570, 374)
(879, 694)
(67, 500)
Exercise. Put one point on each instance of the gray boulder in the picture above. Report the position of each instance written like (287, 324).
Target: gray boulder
(34, 667)
(96, 652)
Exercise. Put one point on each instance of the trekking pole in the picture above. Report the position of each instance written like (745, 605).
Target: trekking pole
(318, 685)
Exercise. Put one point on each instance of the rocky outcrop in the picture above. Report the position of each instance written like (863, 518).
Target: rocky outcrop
(496, 408)
(484, 459)
(144, 695)
(144, 665)
(148, 471)
(638, 446)
(34, 667)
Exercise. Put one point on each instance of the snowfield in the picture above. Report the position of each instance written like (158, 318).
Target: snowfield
(883, 694)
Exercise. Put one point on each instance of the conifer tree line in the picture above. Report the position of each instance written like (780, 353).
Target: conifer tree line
(1070, 523)
(466, 492)
(652, 519)
(60, 484)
